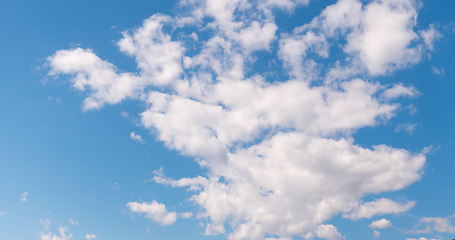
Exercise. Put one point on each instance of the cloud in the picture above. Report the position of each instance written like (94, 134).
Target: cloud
(2, 213)
(398, 90)
(61, 235)
(73, 222)
(381, 223)
(407, 127)
(154, 211)
(280, 153)
(328, 232)
(136, 137)
(379, 207)
(435, 224)
(90, 236)
(24, 197)
(438, 71)
(92, 74)
(376, 234)
(423, 238)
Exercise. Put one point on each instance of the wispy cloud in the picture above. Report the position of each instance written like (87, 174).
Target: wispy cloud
(24, 197)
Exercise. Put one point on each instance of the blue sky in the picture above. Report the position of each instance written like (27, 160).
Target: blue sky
(236, 121)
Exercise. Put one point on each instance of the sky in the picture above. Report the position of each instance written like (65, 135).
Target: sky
(227, 119)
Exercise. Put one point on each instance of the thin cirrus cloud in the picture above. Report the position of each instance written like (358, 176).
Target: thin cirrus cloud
(280, 153)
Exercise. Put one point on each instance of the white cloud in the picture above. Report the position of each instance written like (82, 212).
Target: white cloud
(90, 73)
(280, 155)
(24, 197)
(379, 207)
(398, 90)
(136, 137)
(384, 35)
(90, 236)
(154, 211)
(436, 224)
(61, 235)
(328, 232)
(158, 57)
(381, 223)
(381, 35)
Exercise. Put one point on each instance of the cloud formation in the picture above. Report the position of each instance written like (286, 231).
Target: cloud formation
(280, 152)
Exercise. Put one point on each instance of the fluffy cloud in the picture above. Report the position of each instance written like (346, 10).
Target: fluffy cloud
(154, 211)
(381, 223)
(381, 35)
(280, 153)
(90, 73)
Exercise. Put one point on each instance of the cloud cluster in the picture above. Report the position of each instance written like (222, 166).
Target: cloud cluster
(61, 235)
(280, 152)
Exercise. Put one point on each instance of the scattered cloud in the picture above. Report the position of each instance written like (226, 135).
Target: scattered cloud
(54, 99)
(24, 197)
(398, 90)
(435, 225)
(136, 137)
(407, 127)
(90, 236)
(423, 238)
(381, 224)
(438, 71)
(45, 223)
(185, 215)
(60, 235)
(73, 222)
(154, 211)
(379, 207)
(261, 139)
(376, 234)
